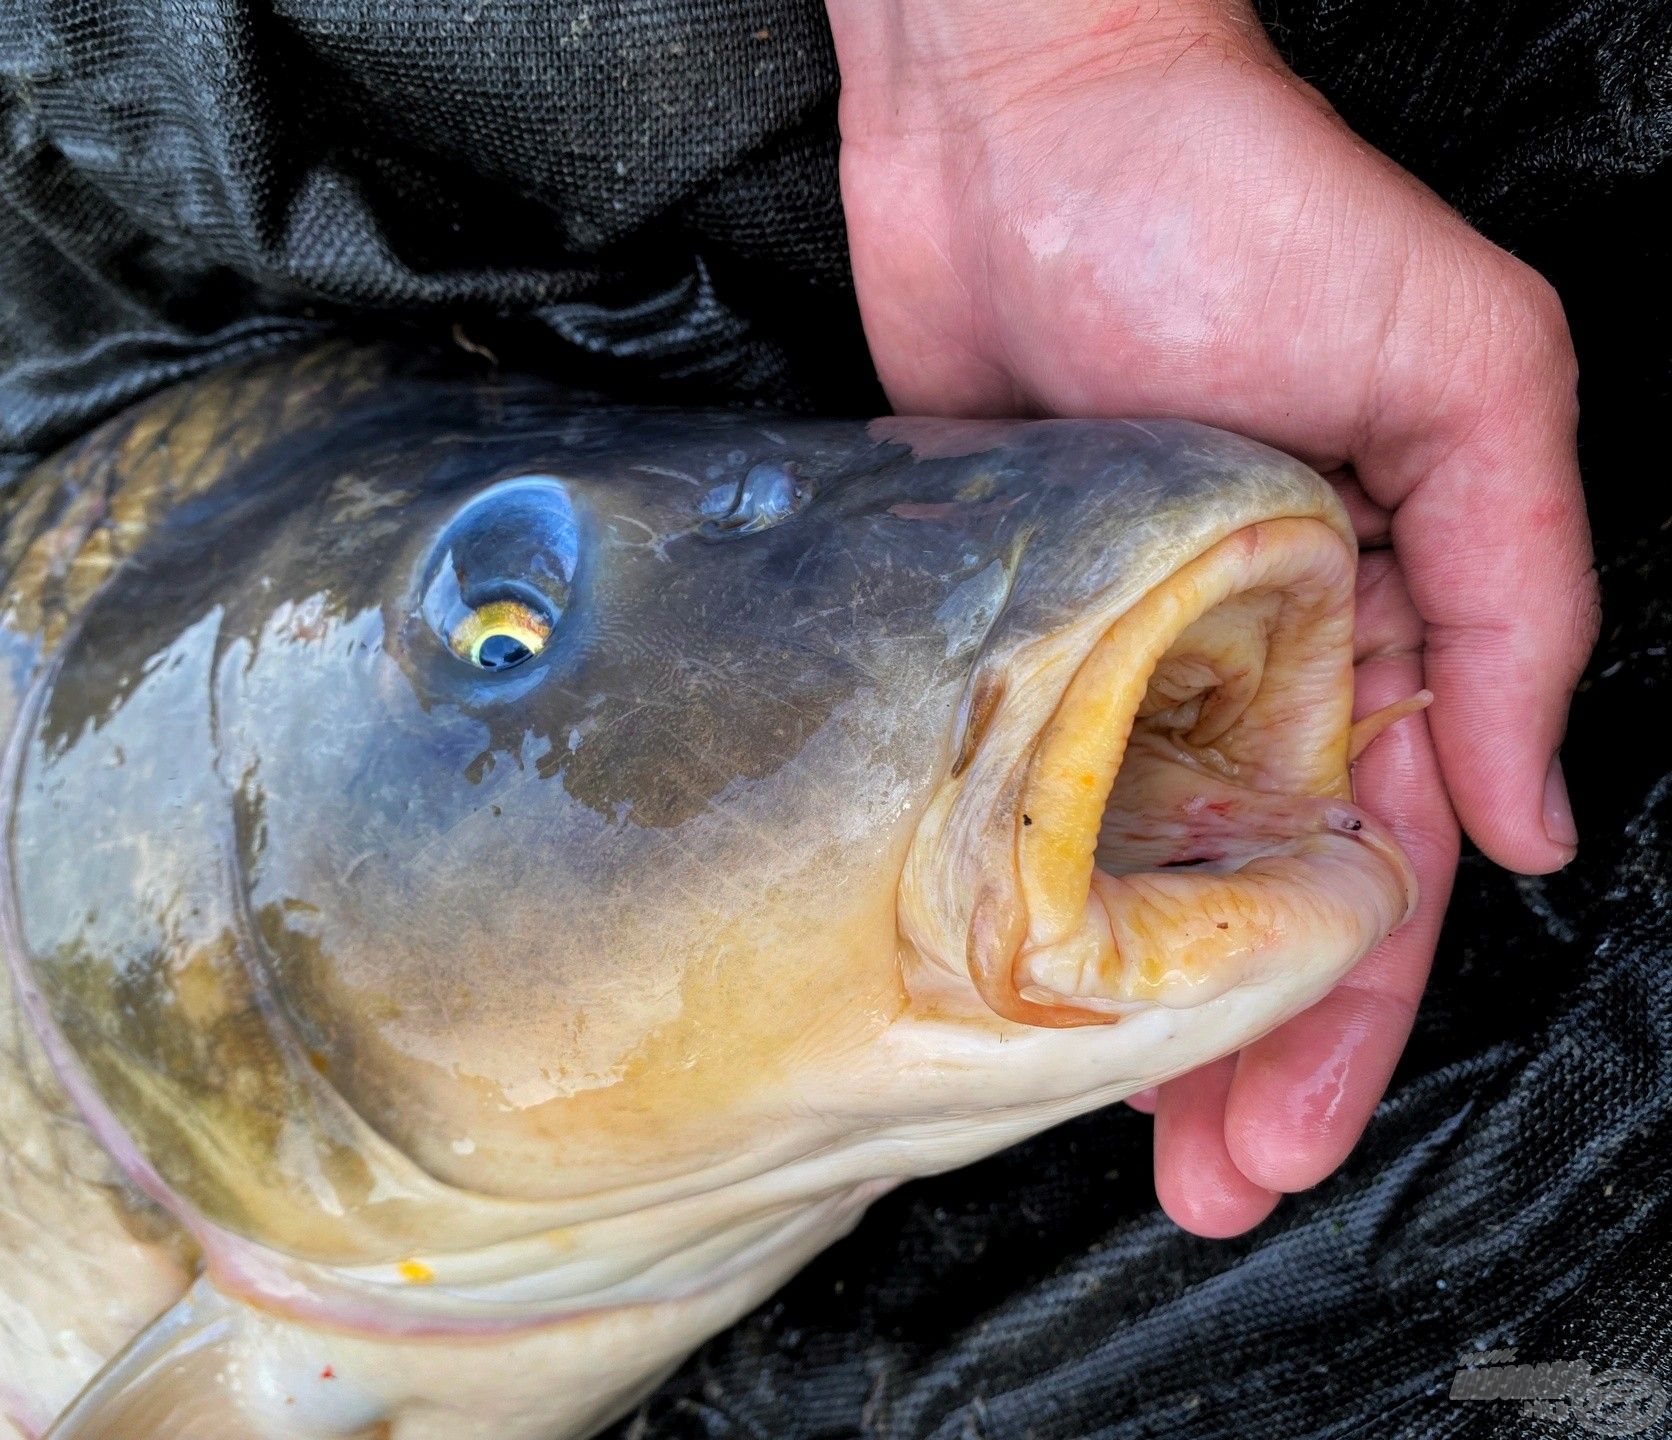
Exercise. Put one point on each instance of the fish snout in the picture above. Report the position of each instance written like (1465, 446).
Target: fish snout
(1154, 807)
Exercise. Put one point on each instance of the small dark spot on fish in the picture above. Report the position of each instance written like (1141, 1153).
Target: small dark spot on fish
(495, 811)
(1189, 861)
(1027, 819)
(1221, 924)
(1352, 824)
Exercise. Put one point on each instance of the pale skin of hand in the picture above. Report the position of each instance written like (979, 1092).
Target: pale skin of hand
(1136, 209)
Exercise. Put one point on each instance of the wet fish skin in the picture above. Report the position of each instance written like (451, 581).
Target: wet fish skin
(441, 1002)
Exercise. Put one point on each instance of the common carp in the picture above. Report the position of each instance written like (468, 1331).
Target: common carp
(494, 882)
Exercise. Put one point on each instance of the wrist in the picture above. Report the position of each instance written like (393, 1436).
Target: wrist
(914, 65)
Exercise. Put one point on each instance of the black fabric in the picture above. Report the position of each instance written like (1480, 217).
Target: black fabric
(642, 196)
(639, 195)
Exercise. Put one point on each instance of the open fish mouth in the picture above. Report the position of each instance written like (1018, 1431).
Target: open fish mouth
(1179, 819)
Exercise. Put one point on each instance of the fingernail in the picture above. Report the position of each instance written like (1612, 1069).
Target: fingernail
(1558, 811)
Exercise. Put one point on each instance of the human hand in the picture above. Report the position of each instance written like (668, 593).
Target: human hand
(1136, 209)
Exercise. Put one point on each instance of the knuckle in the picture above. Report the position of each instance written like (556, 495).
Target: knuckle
(1544, 327)
(1510, 341)
(1587, 615)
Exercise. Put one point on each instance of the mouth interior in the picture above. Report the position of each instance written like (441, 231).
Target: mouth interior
(1186, 819)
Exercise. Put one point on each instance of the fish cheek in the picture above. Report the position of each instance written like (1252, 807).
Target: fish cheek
(534, 998)
(537, 972)
(460, 942)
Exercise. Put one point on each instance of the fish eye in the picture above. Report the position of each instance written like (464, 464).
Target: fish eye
(498, 580)
(499, 634)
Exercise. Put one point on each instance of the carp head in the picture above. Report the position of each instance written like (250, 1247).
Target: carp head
(522, 877)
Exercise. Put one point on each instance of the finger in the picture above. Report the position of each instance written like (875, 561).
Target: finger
(1144, 1101)
(1197, 1183)
(1386, 625)
(1302, 1095)
(1494, 546)
(1370, 521)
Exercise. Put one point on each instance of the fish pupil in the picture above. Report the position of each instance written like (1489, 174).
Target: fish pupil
(501, 652)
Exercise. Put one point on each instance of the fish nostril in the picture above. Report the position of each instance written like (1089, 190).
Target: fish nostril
(767, 495)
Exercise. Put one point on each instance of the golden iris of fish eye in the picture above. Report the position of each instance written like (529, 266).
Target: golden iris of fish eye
(507, 619)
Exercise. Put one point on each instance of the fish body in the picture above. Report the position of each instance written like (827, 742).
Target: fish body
(493, 882)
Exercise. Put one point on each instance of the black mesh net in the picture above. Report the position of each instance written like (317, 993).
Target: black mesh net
(640, 195)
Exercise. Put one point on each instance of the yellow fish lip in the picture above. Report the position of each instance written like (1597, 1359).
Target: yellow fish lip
(1180, 820)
